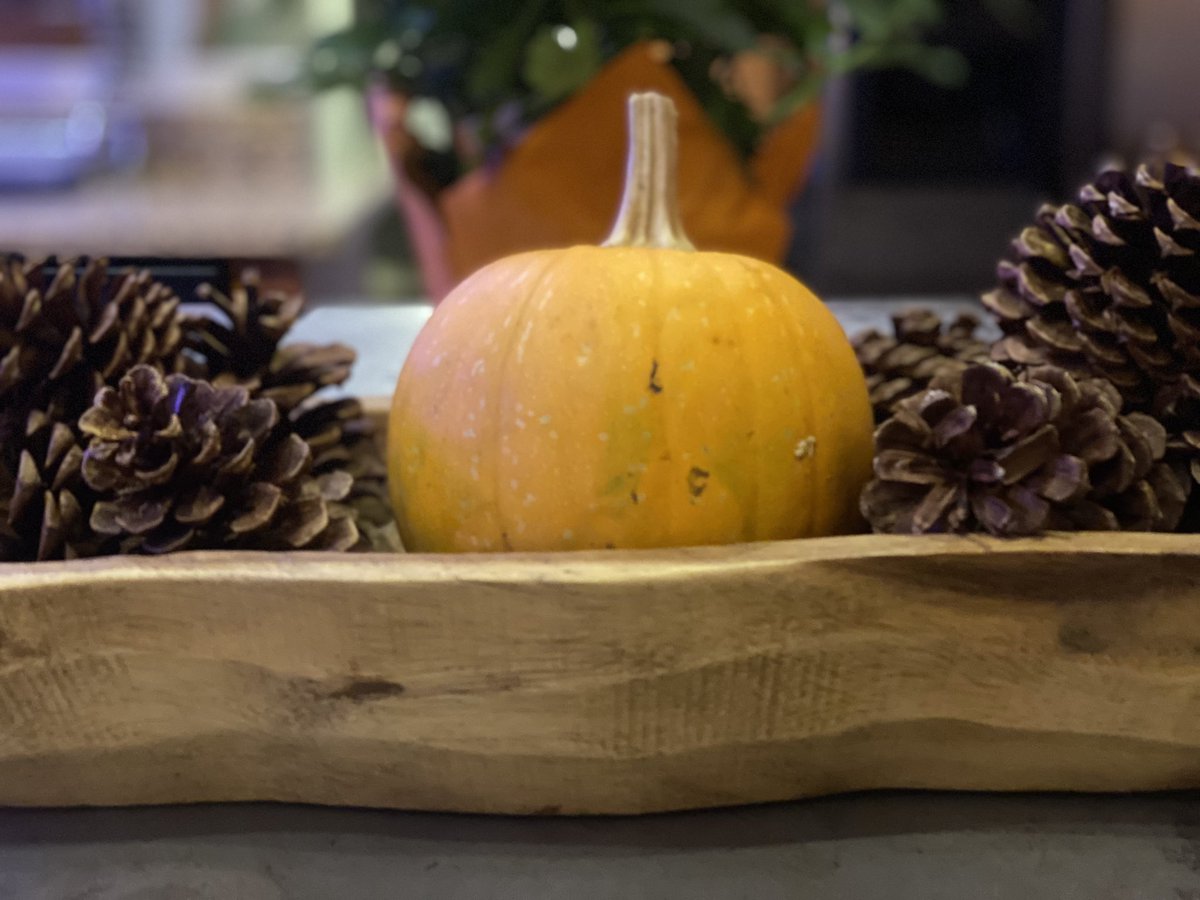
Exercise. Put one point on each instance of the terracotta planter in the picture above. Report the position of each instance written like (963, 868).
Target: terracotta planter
(561, 184)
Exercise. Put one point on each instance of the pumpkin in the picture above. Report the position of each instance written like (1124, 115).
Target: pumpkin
(636, 394)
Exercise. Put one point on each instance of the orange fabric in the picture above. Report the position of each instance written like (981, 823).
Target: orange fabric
(562, 183)
(785, 157)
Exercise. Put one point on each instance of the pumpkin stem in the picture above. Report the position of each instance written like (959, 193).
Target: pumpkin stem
(649, 214)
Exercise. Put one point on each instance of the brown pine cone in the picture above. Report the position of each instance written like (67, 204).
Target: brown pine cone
(343, 438)
(65, 331)
(298, 371)
(919, 348)
(1110, 286)
(44, 502)
(55, 323)
(180, 464)
(984, 450)
(243, 342)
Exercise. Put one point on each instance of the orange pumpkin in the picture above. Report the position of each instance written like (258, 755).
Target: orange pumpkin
(636, 394)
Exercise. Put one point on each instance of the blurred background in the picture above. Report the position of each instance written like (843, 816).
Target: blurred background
(206, 136)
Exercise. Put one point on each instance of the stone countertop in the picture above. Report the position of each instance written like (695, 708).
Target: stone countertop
(879, 846)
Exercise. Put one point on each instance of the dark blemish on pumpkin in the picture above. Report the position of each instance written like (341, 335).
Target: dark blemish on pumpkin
(1080, 639)
(505, 541)
(633, 495)
(655, 387)
(610, 546)
(359, 689)
(697, 480)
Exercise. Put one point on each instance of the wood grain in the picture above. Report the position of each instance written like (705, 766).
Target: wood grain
(603, 682)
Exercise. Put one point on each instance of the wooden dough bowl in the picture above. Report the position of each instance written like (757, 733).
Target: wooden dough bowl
(618, 682)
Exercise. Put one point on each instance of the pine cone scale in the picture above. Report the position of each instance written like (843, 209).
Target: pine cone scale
(1006, 465)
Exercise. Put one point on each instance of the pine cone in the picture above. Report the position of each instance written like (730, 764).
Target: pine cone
(55, 324)
(920, 348)
(986, 450)
(244, 344)
(1110, 286)
(247, 351)
(44, 502)
(181, 464)
(65, 331)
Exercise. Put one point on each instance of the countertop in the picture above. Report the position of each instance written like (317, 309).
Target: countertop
(887, 845)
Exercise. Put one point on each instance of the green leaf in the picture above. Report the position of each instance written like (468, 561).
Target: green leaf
(561, 59)
(713, 21)
(496, 68)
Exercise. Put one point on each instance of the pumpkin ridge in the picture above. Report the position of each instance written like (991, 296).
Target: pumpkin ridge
(751, 527)
(791, 315)
(539, 283)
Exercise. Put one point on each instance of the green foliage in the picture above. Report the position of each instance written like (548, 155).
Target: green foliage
(560, 59)
(497, 66)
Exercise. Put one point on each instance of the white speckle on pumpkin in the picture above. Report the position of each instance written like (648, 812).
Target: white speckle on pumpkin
(464, 505)
(491, 337)
(704, 321)
(520, 423)
(507, 320)
(478, 368)
(585, 355)
(687, 282)
(469, 433)
(513, 483)
(674, 315)
(603, 436)
(553, 435)
(528, 501)
(806, 447)
(437, 360)
(544, 420)
(470, 417)
(689, 366)
(638, 468)
(630, 410)
(568, 534)
(643, 278)
(474, 473)
(775, 379)
(520, 407)
(646, 435)
(520, 526)
(524, 339)
(636, 330)
(483, 403)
